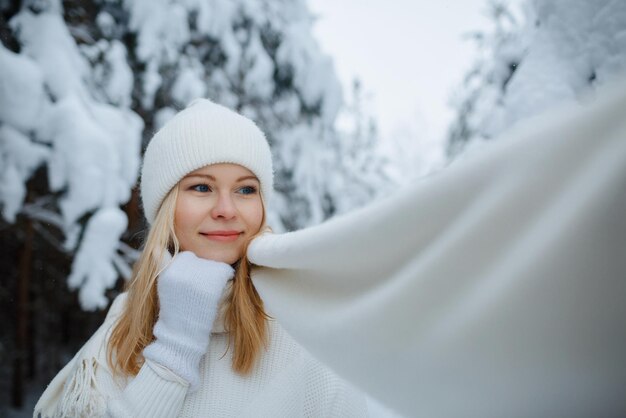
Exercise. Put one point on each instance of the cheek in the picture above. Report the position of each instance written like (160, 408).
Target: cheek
(254, 216)
(186, 214)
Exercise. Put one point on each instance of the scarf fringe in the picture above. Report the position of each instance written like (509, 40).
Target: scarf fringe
(80, 397)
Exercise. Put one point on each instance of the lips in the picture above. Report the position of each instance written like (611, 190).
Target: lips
(225, 236)
(221, 233)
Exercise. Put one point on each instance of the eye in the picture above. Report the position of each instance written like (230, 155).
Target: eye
(248, 190)
(203, 188)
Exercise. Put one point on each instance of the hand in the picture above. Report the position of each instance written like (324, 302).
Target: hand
(189, 289)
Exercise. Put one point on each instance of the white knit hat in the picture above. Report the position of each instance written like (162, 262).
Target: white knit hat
(204, 133)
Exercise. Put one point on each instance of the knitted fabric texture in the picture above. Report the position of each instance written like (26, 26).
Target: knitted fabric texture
(286, 382)
(189, 290)
(202, 134)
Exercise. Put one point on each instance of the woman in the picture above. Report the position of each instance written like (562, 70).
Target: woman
(190, 337)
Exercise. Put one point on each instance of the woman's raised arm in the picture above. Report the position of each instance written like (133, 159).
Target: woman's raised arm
(495, 287)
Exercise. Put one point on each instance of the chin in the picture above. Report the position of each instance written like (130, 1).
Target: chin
(228, 257)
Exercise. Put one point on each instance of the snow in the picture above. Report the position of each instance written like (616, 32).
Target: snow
(123, 129)
(87, 169)
(12, 192)
(314, 71)
(162, 116)
(119, 84)
(21, 153)
(106, 23)
(215, 16)
(151, 82)
(563, 50)
(576, 41)
(259, 75)
(162, 29)
(46, 39)
(21, 101)
(21, 90)
(188, 86)
(93, 270)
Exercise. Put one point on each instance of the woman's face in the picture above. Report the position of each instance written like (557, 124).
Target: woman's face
(218, 209)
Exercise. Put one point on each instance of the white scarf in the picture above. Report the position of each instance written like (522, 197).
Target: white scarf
(496, 287)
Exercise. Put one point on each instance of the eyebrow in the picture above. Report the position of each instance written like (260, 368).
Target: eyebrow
(210, 177)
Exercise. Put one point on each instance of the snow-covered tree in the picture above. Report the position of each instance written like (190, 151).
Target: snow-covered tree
(546, 53)
(351, 177)
(87, 84)
(55, 112)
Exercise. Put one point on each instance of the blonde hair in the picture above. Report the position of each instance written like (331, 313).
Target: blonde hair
(244, 316)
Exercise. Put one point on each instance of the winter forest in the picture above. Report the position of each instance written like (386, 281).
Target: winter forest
(84, 84)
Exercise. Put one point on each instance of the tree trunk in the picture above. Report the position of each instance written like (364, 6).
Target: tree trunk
(22, 316)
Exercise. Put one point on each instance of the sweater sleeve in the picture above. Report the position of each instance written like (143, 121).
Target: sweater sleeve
(154, 392)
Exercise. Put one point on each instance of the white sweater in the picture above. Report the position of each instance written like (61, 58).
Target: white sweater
(286, 382)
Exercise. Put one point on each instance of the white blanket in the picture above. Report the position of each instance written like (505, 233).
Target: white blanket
(494, 288)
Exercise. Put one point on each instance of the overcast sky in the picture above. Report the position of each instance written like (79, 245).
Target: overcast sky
(408, 54)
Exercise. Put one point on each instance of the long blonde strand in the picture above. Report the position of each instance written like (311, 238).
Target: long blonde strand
(245, 319)
(132, 331)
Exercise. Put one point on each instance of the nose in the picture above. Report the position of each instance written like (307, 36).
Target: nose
(224, 207)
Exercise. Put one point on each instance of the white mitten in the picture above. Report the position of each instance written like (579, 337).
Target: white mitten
(189, 290)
